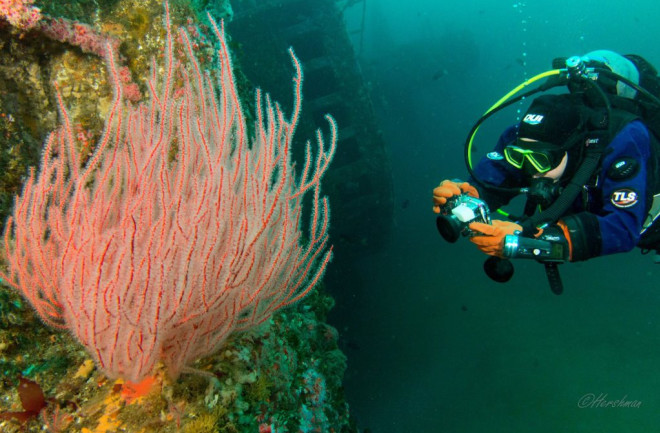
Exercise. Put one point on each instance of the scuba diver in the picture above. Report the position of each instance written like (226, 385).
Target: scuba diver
(587, 161)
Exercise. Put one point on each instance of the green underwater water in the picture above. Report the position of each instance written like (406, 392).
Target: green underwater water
(449, 350)
(433, 344)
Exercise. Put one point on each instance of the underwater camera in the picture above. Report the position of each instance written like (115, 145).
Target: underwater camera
(457, 214)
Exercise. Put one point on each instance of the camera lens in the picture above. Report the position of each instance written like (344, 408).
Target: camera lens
(449, 228)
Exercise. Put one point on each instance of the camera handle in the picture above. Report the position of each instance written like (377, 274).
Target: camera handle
(501, 270)
(554, 279)
(549, 249)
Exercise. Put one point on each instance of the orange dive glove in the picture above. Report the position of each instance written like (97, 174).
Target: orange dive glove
(490, 239)
(447, 189)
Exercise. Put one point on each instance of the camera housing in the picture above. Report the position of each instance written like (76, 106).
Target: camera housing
(456, 216)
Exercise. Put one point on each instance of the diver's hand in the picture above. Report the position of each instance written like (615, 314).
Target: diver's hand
(490, 238)
(447, 189)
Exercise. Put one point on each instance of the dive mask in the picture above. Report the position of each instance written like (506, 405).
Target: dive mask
(535, 156)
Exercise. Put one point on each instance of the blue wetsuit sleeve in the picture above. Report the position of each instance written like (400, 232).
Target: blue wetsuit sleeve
(624, 200)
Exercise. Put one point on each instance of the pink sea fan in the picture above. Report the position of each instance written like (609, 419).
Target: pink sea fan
(178, 230)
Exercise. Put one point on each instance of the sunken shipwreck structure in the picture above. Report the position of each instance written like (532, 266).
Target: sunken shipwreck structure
(359, 181)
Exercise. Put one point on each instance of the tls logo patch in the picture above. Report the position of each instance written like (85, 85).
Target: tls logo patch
(623, 198)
